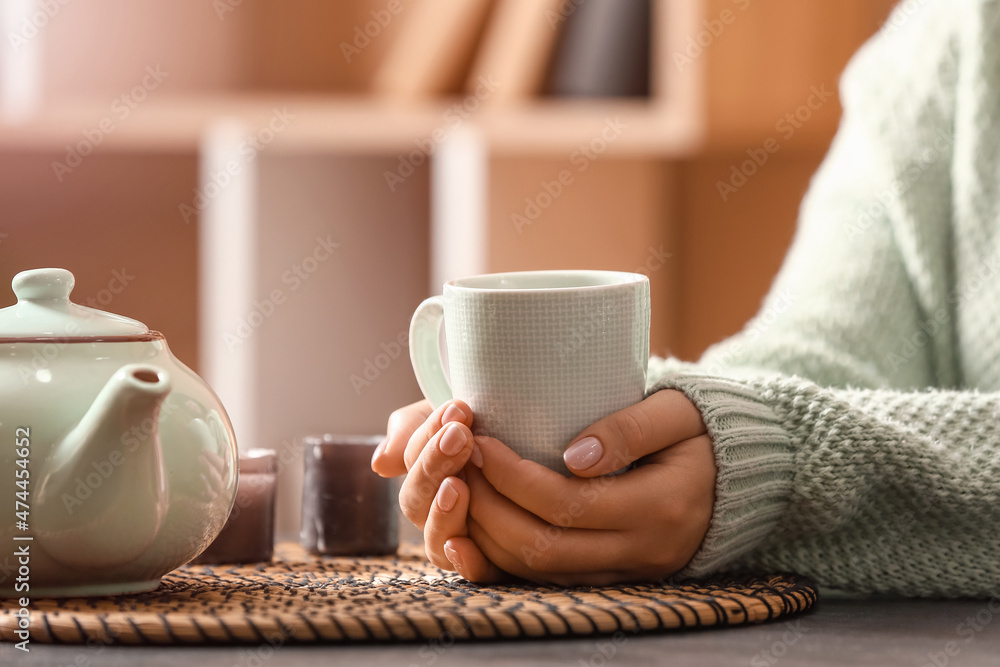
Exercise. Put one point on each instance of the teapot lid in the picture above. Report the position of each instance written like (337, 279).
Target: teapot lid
(43, 310)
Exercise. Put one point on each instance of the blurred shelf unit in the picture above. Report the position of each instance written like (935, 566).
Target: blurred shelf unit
(666, 123)
(182, 68)
(346, 123)
(405, 188)
(705, 91)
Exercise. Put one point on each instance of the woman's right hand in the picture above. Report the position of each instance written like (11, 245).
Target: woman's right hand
(431, 447)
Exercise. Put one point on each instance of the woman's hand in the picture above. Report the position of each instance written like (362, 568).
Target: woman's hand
(516, 516)
(432, 448)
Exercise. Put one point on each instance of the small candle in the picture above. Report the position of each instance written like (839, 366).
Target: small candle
(347, 510)
(248, 536)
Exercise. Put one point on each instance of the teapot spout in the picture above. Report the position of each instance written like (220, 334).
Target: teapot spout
(103, 497)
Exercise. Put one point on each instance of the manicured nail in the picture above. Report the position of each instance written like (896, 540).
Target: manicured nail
(379, 450)
(453, 413)
(447, 496)
(452, 441)
(583, 453)
(477, 456)
(452, 555)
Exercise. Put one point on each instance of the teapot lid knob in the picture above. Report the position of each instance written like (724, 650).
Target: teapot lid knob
(43, 285)
(43, 310)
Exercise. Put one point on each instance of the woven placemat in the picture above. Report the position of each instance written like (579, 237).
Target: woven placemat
(302, 598)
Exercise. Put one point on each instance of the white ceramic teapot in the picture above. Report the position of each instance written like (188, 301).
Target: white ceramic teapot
(117, 462)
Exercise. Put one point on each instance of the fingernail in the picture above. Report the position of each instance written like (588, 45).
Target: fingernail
(379, 449)
(453, 413)
(447, 496)
(452, 555)
(477, 456)
(452, 441)
(583, 453)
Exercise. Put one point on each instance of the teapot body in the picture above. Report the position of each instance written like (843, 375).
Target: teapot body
(46, 389)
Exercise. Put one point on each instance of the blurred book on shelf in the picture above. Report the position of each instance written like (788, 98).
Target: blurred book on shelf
(516, 48)
(432, 53)
(604, 50)
(528, 48)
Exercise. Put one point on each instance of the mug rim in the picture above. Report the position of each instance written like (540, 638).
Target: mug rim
(624, 278)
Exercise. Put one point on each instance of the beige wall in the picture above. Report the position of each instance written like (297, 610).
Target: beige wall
(114, 213)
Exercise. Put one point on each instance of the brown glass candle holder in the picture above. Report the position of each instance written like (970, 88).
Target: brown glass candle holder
(248, 536)
(347, 510)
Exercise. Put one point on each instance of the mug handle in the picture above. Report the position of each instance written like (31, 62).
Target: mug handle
(425, 351)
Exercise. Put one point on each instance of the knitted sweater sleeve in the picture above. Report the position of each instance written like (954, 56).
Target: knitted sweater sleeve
(859, 475)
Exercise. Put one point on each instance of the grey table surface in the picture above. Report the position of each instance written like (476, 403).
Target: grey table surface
(840, 630)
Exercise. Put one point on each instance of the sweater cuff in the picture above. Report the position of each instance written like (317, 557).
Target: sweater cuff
(753, 454)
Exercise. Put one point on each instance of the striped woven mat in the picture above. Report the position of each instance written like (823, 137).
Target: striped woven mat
(301, 598)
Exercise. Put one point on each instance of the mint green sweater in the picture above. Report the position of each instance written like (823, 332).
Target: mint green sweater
(856, 418)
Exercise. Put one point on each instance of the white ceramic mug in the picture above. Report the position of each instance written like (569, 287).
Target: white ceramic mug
(537, 355)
